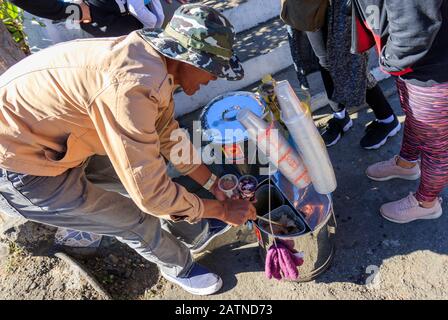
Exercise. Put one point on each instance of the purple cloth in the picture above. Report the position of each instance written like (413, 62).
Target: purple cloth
(281, 262)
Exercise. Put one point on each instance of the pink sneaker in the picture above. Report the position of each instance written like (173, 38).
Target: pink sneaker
(386, 170)
(408, 209)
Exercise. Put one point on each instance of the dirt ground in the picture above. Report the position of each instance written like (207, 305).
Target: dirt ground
(42, 278)
(28, 271)
(33, 268)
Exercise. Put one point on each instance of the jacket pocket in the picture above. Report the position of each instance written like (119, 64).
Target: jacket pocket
(76, 153)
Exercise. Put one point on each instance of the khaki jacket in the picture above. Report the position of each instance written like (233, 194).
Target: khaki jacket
(109, 96)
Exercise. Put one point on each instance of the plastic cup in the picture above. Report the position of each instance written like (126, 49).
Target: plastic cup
(274, 145)
(247, 185)
(228, 184)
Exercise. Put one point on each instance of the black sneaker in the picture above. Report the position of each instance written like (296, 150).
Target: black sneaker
(377, 133)
(335, 128)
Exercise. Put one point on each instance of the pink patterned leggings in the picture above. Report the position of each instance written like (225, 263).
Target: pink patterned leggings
(426, 135)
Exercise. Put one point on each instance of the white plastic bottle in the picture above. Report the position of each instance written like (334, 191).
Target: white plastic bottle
(269, 140)
(302, 129)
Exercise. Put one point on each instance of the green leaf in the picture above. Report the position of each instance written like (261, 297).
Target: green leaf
(12, 17)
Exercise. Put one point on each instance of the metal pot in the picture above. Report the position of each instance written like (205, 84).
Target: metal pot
(276, 215)
(220, 115)
(316, 244)
(264, 204)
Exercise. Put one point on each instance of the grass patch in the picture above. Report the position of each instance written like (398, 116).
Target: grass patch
(16, 254)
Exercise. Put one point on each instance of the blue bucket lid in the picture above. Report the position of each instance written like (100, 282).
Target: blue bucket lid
(220, 114)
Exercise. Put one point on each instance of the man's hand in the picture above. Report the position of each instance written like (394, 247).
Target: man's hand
(232, 211)
(85, 13)
(151, 17)
(238, 212)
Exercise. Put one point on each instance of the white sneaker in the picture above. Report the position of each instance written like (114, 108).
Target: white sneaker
(198, 281)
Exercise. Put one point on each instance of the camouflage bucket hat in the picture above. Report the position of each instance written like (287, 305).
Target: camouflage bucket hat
(201, 36)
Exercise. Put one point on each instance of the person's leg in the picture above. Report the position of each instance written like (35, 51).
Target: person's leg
(317, 41)
(101, 172)
(430, 122)
(378, 103)
(293, 36)
(385, 125)
(403, 166)
(341, 122)
(410, 146)
(195, 236)
(71, 201)
(329, 89)
(427, 108)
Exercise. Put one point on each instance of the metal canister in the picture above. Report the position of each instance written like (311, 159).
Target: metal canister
(316, 244)
(218, 120)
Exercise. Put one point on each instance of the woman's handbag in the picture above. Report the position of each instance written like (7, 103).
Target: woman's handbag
(304, 15)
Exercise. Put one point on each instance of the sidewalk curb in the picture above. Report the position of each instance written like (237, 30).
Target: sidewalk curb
(244, 17)
(255, 69)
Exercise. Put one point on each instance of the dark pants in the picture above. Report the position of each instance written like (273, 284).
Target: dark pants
(374, 96)
(294, 45)
(111, 25)
(107, 24)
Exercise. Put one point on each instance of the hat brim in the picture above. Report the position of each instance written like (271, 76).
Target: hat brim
(230, 69)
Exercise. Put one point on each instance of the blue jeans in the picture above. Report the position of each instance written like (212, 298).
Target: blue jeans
(100, 205)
